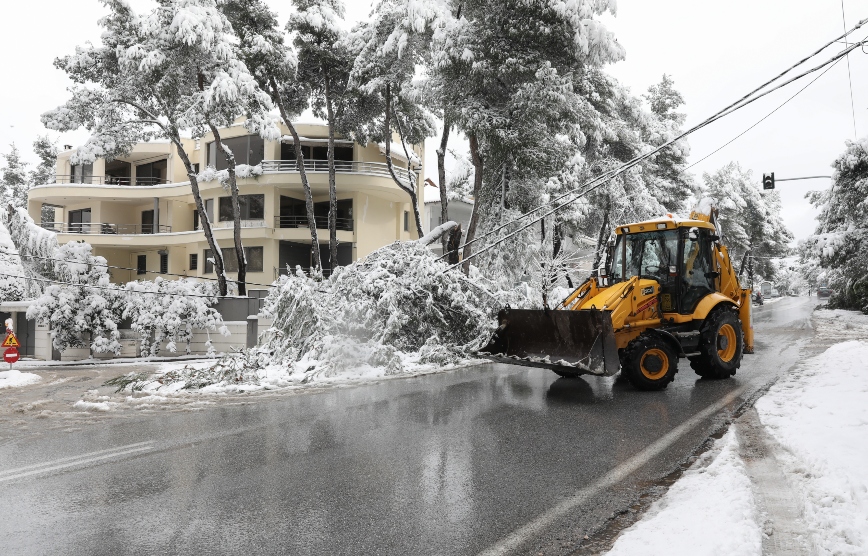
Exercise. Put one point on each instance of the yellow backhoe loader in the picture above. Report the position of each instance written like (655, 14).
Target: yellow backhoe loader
(668, 291)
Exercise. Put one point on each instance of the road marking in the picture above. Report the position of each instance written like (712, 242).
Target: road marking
(518, 537)
(82, 459)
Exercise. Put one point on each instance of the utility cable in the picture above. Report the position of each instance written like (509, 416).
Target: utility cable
(135, 269)
(114, 288)
(764, 118)
(636, 160)
(719, 114)
(849, 77)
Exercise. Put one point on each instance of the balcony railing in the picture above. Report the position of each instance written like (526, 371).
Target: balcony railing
(258, 223)
(341, 166)
(322, 222)
(102, 228)
(108, 180)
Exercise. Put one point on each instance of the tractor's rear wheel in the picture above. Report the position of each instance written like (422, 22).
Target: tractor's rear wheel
(649, 363)
(566, 374)
(721, 345)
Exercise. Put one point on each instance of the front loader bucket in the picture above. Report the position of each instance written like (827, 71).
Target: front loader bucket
(580, 342)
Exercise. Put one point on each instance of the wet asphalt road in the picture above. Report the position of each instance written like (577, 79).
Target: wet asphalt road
(492, 459)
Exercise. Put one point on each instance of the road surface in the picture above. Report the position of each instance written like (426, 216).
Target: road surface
(493, 459)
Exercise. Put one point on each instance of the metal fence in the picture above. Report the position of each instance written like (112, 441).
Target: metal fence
(341, 166)
(108, 180)
(322, 222)
(102, 228)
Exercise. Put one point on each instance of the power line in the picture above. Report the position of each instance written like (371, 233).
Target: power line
(849, 77)
(764, 118)
(115, 288)
(126, 268)
(617, 171)
(635, 161)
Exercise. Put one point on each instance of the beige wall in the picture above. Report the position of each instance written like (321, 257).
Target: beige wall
(378, 207)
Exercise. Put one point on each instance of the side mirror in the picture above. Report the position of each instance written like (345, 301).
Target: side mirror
(714, 238)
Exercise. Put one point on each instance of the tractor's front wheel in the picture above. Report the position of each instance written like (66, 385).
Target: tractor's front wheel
(649, 363)
(721, 345)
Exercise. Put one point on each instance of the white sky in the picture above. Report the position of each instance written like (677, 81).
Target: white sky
(715, 51)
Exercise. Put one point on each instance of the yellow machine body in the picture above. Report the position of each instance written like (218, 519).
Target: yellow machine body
(599, 327)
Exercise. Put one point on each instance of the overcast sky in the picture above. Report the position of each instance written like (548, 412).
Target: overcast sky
(715, 51)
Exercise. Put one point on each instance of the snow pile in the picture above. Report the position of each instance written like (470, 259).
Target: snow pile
(13, 379)
(722, 520)
(820, 418)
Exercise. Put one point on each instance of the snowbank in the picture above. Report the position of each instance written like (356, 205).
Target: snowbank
(819, 415)
(710, 510)
(13, 378)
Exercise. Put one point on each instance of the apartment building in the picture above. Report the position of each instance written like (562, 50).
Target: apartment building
(138, 211)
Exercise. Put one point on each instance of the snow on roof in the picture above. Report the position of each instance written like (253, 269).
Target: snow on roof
(431, 194)
(397, 151)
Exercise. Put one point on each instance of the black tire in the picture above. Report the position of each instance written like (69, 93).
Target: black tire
(649, 362)
(566, 374)
(720, 359)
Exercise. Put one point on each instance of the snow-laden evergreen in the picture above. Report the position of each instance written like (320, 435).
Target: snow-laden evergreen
(392, 307)
(169, 310)
(750, 217)
(840, 244)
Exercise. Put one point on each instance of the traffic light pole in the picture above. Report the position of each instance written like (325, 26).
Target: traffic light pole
(804, 178)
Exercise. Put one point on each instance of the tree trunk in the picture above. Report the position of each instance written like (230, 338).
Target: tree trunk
(236, 211)
(453, 245)
(409, 189)
(203, 218)
(476, 157)
(441, 176)
(299, 162)
(333, 200)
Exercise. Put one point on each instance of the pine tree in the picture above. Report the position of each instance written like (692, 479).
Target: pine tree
(14, 176)
(840, 244)
(324, 64)
(46, 150)
(750, 217)
(274, 63)
(163, 74)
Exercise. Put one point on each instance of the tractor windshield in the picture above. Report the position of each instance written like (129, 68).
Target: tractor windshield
(648, 255)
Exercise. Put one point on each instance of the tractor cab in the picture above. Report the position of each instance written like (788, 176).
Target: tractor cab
(678, 255)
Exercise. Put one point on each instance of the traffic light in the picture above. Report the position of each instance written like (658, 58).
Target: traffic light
(769, 181)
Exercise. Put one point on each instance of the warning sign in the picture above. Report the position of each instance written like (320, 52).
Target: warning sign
(11, 341)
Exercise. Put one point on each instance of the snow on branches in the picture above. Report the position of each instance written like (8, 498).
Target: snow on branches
(395, 307)
(161, 310)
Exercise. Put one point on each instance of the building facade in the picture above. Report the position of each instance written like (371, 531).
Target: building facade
(139, 213)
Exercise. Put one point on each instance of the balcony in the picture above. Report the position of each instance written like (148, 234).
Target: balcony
(102, 228)
(322, 222)
(107, 180)
(341, 166)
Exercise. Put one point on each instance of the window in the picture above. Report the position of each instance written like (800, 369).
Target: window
(252, 207)
(406, 221)
(142, 264)
(79, 221)
(194, 261)
(195, 168)
(152, 172)
(164, 263)
(148, 222)
(196, 219)
(249, 149)
(343, 216)
(254, 257)
(81, 173)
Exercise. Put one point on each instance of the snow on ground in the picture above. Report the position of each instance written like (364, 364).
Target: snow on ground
(14, 378)
(722, 519)
(819, 416)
